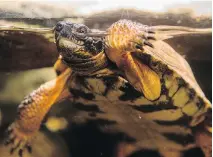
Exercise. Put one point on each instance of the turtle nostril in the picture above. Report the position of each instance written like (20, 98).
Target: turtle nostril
(59, 26)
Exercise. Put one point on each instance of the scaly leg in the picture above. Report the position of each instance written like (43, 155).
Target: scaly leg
(32, 110)
(60, 67)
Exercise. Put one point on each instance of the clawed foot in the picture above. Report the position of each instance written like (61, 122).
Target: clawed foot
(145, 40)
(18, 140)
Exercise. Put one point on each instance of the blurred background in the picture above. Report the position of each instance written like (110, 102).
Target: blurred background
(26, 59)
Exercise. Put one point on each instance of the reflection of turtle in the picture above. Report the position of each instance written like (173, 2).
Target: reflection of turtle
(138, 83)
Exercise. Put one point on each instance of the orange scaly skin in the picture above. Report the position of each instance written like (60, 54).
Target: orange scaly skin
(32, 111)
(122, 42)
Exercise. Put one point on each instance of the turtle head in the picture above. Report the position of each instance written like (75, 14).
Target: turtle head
(77, 35)
(79, 50)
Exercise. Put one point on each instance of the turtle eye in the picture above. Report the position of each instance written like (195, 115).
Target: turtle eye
(82, 29)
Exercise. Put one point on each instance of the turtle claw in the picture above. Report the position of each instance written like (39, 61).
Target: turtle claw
(144, 39)
(148, 44)
(29, 148)
(18, 141)
(20, 153)
(20, 147)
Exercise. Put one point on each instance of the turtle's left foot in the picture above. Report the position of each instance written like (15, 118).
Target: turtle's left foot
(18, 140)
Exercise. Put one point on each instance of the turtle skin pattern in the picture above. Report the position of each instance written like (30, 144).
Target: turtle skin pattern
(167, 125)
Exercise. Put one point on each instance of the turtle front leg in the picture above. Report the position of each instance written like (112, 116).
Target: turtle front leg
(32, 110)
(59, 66)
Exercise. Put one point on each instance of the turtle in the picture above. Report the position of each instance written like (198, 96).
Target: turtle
(129, 67)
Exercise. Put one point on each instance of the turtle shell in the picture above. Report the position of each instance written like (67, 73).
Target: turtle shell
(117, 110)
(177, 80)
